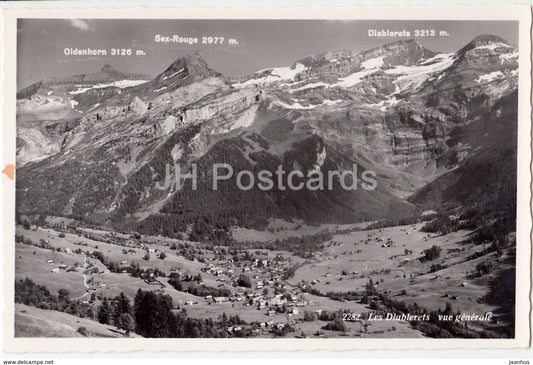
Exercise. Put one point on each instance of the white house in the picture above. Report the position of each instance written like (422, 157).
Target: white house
(221, 299)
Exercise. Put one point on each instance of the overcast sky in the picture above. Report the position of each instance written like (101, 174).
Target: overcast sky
(261, 43)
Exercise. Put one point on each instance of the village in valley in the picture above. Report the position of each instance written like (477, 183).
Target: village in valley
(256, 292)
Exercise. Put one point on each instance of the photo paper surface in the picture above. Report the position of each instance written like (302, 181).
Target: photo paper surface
(299, 181)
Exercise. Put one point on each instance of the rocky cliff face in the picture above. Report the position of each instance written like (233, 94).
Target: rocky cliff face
(401, 110)
(396, 104)
(62, 101)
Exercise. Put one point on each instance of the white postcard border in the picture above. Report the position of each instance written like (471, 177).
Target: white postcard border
(523, 268)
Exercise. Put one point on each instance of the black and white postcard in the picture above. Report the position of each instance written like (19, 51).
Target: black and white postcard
(337, 179)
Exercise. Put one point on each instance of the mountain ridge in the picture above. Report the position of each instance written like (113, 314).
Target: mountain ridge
(398, 109)
(107, 74)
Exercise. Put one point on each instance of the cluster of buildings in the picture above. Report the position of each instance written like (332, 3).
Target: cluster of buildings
(268, 291)
(68, 268)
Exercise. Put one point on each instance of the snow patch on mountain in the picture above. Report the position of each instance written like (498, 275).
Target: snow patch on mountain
(40, 102)
(174, 74)
(275, 74)
(331, 102)
(413, 76)
(490, 76)
(354, 78)
(383, 105)
(297, 106)
(493, 46)
(312, 85)
(94, 107)
(288, 73)
(508, 57)
(372, 63)
(370, 66)
(157, 90)
(122, 84)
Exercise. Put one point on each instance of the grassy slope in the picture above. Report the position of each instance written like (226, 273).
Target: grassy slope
(424, 288)
(34, 322)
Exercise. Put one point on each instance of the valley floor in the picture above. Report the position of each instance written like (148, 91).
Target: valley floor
(58, 257)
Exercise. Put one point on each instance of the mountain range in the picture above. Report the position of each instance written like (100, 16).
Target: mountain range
(439, 129)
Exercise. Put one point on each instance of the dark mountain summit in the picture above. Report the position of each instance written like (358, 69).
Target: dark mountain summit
(193, 65)
(484, 40)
